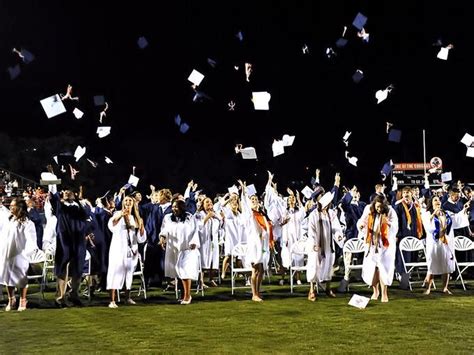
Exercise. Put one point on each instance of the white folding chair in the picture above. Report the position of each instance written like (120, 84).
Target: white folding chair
(301, 247)
(412, 244)
(37, 269)
(463, 244)
(353, 246)
(240, 250)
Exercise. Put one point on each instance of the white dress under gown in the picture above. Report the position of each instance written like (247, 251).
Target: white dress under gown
(123, 253)
(179, 237)
(323, 230)
(17, 243)
(440, 256)
(381, 257)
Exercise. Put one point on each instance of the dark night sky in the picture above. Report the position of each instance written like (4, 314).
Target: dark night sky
(84, 44)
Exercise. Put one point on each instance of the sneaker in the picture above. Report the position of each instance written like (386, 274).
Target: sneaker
(130, 301)
(298, 282)
(113, 305)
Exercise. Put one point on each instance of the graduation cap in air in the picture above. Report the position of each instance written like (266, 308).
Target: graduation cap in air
(359, 21)
(357, 76)
(14, 71)
(443, 52)
(260, 100)
(99, 100)
(53, 106)
(341, 42)
(183, 128)
(26, 56)
(142, 42)
(395, 135)
(78, 113)
(247, 153)
(387, 169)
(211, 62)
(240, 36)
(195, 77)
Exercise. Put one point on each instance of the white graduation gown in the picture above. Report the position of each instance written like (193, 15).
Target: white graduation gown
(179, 237)
(292, 232)
(258, 238)
(49, 234)
(234, 232)
(123, 253)
(209, 234)
(384, 258)
(319, 266)
(17, 242)
(439, 256)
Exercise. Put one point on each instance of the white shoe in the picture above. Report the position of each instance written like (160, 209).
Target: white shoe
(130, 301)
(282, 282)
(298, 282)
(113, 305)
(22, 306)
(247, 282)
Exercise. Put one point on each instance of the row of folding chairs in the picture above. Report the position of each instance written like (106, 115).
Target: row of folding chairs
(357, 246)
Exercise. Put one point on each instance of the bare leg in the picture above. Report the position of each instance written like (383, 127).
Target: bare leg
(375, 285)
(445, 284)
(187, 291)
(225, 265)
(112, 295)
(428, 280)
(311, 294)
(11, 299)
(254, 282)
(61, 289)
(329, 292)
(259, 278)
(384, 292)
(23, 300)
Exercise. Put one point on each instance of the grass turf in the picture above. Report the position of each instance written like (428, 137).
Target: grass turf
(220, 323)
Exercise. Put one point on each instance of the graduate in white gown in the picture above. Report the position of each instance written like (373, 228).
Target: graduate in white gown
(127, 230)
(379, 225)
(292, 232)
(439, 227)
(210, 227)
(323, 229)
(179, 236)
(234, 231)
(17, 242)
(49, 234)
(259, 239)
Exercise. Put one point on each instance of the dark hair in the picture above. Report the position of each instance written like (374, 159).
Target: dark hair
(383, 201)
(22, 214)
(429, 204)
(181, 216)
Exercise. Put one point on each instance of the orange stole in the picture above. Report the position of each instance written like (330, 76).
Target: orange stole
(419, 225)
(262, 222)
(383, 231)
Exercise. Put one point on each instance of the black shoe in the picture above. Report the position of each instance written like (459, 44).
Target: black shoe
(60, 304)
(76, 301)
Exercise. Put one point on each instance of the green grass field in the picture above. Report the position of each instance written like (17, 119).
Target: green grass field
(220, 323)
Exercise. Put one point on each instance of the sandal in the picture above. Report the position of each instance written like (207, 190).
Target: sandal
(11, 304)
(22, 307)
(311, 297)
